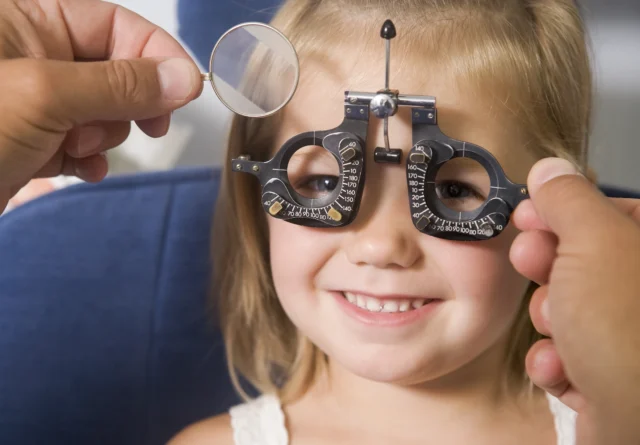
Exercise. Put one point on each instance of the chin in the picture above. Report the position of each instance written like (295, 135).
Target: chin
(389, 364)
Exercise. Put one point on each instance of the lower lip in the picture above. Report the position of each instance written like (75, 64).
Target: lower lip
(390, 319)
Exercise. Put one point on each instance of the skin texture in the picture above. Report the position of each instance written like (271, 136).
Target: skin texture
(583, 250)
(59, 115)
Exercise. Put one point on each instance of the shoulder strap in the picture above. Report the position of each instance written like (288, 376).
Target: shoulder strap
(565, 421)
(259, 422)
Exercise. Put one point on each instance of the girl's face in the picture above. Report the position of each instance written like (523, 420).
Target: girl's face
(381, 299)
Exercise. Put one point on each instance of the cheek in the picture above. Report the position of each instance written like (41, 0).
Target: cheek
(483, 279)
(297, 253)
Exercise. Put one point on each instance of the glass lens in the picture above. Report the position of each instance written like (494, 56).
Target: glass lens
(463, 185)
(254, 70)
(313, 172)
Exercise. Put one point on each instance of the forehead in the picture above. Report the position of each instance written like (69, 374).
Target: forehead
(473, 115)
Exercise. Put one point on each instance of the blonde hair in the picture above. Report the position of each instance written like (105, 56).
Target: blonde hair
(531, 51)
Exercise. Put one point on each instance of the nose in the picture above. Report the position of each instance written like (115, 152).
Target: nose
(382, 243)
(383, 234)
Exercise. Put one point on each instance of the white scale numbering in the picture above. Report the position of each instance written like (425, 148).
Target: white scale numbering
(276, 205)
(423, 216)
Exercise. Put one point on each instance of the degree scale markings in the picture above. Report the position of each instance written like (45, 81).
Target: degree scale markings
(439, 224)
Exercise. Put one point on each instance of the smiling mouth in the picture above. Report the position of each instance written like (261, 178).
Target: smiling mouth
(386, 305)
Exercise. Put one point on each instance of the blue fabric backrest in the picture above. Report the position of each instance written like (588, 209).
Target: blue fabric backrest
(105, 332)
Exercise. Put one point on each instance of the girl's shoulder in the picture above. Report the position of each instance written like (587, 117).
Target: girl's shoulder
(258, 421)
(215, 430)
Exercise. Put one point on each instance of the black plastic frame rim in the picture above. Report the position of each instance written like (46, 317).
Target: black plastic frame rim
(486, 222)
(274, 178)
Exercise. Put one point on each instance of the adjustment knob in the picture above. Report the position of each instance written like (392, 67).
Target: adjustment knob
(383, 105)
(388, 30)
(487, 229)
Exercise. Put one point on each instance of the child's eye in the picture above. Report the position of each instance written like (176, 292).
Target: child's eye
(316, 186)
(459, 196)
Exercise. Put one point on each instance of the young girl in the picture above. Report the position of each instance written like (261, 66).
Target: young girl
(376, 333)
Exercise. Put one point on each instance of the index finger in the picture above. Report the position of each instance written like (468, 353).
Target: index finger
(114, 32)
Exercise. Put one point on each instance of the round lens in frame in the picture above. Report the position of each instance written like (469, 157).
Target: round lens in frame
(313, 172)
(463, 185)
(254, 70)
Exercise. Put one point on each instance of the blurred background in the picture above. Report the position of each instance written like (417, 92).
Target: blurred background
(197, 134)
(614, 28)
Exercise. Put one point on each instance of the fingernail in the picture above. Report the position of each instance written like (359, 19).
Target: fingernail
(89, 139)
(551, 168)
(544, 311)
(176, 79)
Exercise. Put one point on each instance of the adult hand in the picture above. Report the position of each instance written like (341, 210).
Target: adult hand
(34, 189)
(584, 251)
(74, 74)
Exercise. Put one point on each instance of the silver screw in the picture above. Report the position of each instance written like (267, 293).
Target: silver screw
(361, 111)
(430, 115)
(256, 168)
(488, 230)
(238, 166)
(348, 110)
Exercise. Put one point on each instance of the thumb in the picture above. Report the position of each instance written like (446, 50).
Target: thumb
(125, 90)
(44, 99)
(571, 206)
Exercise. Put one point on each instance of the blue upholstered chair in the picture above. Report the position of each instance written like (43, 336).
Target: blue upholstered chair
(106, 336)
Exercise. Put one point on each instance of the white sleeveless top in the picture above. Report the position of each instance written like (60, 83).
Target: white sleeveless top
(261, 422)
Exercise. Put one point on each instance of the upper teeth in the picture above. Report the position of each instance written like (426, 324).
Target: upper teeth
(381, 305)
